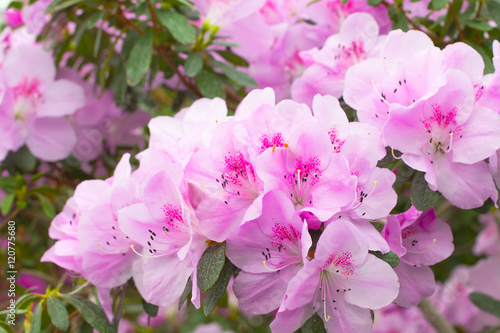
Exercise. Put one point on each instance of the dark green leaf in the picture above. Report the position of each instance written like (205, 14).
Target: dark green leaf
(234, 59)
(210, 85)
(217, 291)
(236, 76)
(57, 5)
(210, 265)
(488, 63)
(186, 292)
(24, 160)
(140, 59)
(486, 207)
(193, 65)
(85, 328)
(422, 197)
(313, 325)
(486, 303)
(178, 25)
(438, 4)
(36, 319)
(7, 203)
(391, 258)
(92, 314)
(479, 25)
(372, 313)
(374, 3)
(47, 206)
(36, 177)
(58, 313)
(150, 309)
(403, 174)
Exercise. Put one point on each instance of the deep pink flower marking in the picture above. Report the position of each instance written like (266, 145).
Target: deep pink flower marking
(342, 261)
(350, 54)
(173, 215)
(276, 140)
(26, 96)
(442, 127)
(306, 175)
(336, 142)
(239, 177)
(286, 240)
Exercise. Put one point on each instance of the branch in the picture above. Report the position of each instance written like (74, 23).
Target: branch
(434, 317)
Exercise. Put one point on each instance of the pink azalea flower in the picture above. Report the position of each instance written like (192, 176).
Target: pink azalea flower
(270, 250)
(448, 137)
(315, 179)
(394, 319)
(420, 240)
(167, 229)
(40, 103)
(488, 240)
(90, 240)
(357, 40)
(341, 284)
(408, 69)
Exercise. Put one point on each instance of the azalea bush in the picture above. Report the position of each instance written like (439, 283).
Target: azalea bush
(250, 166)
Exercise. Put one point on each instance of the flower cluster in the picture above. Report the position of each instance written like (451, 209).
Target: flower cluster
(263, 181)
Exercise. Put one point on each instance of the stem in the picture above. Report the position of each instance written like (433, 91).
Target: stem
(434, 317)
(118, 312)
(9, 217)
(455, 19)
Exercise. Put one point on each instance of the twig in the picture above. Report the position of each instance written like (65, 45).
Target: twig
(455, 19)
(434, 317)
(9, 217)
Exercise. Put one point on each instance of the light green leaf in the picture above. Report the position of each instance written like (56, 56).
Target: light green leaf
(391, 258)
(57, 5)
(47, 205)
(36, 319)
(438, 4)
(7, 203)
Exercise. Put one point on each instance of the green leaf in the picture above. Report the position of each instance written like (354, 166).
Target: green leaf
(186, 292)
(24, 160)
(399, 19)
(96, 17)
(92, 314)
(57, 5)
(210, 85)
(178, 25)
(6, 328)
(7, 203)
(479, 25)
(8, 183)
(210, 265)
(236, 76)
(438, 4)
(193, 65)
(486, 303)
(58, 313)
(36, 319)
(140, 59)
(85, 328)
(486, 207)
(374, 3)
(232, 58)
(47, 205)
(150, 309)
(403, 174)
(372, 313)
(422, 197)
(391, 258)
(217, 291)
(313, 325)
